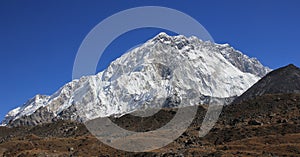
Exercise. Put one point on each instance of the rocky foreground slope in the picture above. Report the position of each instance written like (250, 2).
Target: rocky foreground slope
(268, 125)
(264, 125)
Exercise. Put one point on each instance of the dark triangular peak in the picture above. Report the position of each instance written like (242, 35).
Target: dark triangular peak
(283, 80)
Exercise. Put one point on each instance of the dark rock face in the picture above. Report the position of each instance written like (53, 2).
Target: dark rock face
(281, 81)
(42, 116)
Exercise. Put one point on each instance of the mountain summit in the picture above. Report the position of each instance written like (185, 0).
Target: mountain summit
(166, 71)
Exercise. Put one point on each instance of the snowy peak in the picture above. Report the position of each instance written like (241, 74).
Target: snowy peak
(166, 71)
(28, 108)
(178, 42)
(235, 57)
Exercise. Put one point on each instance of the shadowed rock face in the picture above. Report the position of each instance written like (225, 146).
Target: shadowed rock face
(237, 59)
(283, 80)
(34, 119)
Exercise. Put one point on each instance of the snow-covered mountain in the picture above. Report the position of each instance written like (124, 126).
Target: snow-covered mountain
(165, 71)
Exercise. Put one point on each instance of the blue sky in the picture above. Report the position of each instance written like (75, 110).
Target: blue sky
(39, 39)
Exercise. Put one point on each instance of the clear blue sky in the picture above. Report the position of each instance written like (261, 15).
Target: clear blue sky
(39, 39)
